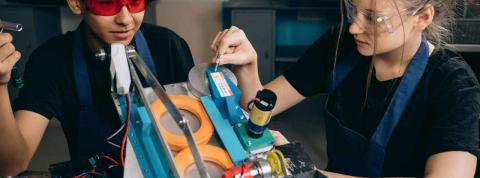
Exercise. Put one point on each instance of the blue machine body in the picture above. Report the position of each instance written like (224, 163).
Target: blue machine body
(229, 139)
(224, 112)
(149, 152)
(228, 105)
(230, 110)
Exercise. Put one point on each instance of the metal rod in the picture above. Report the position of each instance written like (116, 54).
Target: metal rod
(143, 98)
(10, 26)
(217, 61)
(182, 123)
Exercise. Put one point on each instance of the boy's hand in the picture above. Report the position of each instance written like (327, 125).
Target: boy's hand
(8, 57)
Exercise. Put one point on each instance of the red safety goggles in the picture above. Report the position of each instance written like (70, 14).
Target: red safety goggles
(112, 7)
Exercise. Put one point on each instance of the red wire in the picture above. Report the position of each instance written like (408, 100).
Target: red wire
(124, 141)
(80, 175)
(111, 159)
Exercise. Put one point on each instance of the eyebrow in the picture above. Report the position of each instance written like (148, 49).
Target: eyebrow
(371, 11)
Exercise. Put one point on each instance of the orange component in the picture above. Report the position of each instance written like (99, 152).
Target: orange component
(209, 153)
(178, 142)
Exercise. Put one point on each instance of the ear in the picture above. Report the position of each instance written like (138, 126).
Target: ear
(425, 17)
(75, 6)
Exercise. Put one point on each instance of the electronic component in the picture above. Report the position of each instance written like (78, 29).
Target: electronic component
(262, 108)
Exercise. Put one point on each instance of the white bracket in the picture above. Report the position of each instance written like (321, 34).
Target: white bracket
(119, 69)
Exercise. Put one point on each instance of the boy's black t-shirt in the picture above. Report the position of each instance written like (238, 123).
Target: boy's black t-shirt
(50, 88)
(442, 115)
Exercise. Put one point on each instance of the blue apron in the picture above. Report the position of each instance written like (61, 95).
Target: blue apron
(93, 129)
(350, 152)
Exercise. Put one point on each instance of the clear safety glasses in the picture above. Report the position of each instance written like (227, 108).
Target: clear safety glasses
(370, 22)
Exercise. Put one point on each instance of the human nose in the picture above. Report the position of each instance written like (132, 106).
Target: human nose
(124, 17)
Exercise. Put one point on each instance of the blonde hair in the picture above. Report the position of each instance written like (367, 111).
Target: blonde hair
(438, 32)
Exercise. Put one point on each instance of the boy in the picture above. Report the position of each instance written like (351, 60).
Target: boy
(64, 79)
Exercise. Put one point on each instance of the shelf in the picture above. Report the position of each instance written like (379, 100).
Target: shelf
(281, 30)
(281, 5)
(39, 5)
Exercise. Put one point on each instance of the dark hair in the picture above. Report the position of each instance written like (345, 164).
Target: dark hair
(148, 1)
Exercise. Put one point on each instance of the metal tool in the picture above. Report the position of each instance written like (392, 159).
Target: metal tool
(160, 92)
(10, 26)
(15, 79)
(217, 61)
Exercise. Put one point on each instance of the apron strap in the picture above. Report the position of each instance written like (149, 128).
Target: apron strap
(80, 69)
(403, 94)
(342, 69)
(92, 128)
(144, 51)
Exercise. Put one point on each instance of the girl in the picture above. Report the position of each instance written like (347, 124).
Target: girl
(399, 103)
